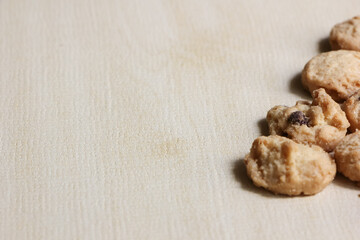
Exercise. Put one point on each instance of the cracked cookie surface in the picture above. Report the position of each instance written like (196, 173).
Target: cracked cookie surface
(321, 122)
(338, 72)
(286, 167)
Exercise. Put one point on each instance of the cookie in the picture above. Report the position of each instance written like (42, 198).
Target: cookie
(347, 156)
(346, 35)
(321, 122)
(283, 166)
(338, 72)
(352, 109)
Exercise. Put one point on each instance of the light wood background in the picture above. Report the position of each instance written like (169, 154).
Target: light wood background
(129, 119)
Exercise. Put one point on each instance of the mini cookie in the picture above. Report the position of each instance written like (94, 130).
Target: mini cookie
(352, 109)
(346, 35)
(321, 122)
(347, 156)
(283, 166)
(336, 71)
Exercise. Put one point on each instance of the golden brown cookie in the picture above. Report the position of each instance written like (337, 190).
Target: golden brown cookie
(346, 35)
(283, 166)
(352, 109)
(347, 156)
(321, 122)
(338, 72)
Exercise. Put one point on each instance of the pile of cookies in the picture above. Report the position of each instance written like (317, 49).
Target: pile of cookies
(310, 141)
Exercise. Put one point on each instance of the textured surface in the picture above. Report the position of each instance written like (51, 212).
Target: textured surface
(126, 119)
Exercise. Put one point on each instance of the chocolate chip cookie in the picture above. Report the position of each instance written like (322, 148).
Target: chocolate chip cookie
(338, 72)
(352, 109)
(346, 35)
(286, 167)
(347, 156)
(321, 122)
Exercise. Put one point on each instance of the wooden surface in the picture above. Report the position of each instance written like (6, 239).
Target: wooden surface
(129, 119)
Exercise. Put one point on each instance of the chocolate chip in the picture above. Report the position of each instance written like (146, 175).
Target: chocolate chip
(298, 118)
(359, 98)
(285, 134)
